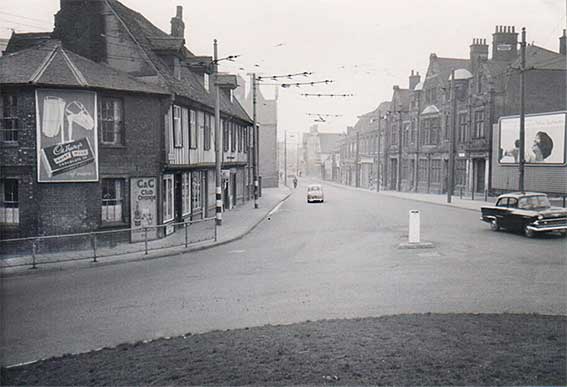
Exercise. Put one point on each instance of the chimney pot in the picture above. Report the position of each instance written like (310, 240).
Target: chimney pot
(179, 13)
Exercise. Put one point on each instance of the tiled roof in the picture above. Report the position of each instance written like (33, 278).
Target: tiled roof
(446, 65)
(190, 85)
(51, 65)
(21, 41)
(542, 59)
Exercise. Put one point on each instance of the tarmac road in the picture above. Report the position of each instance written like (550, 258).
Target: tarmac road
(339, 259)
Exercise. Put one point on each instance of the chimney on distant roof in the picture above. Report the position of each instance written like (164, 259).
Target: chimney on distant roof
(478, 53)
(563, 44)
(177, 25)
(414, 79)
(505, 44)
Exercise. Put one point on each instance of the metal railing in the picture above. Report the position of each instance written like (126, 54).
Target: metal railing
(96, 245)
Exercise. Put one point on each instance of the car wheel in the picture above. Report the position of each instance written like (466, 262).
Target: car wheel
(495, 225)
(527, 232)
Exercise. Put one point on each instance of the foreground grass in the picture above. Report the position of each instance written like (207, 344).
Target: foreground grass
(426, 349)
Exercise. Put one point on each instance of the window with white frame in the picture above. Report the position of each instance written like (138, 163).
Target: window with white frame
(9, 118)
(207, 132)
(201, 125)
(193, 133)
(112, 121)
(206, 81)
(9, 210)
(225, 135)
(186, 193)
(112, 206)
(196, 191)
(167, 198)
(177, 127)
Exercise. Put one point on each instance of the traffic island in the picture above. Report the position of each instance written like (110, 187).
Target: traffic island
(411, 349)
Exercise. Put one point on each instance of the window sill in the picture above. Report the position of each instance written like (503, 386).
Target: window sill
(9, 144)
(108, 145)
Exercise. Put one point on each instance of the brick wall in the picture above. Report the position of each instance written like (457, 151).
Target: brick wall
(268, 156)
(56, 208)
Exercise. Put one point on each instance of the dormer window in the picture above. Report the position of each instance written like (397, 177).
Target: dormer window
(206, 81)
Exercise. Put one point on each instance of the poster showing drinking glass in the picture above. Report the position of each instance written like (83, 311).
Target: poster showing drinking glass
(67, 148)
(544, 139)
(143, 208)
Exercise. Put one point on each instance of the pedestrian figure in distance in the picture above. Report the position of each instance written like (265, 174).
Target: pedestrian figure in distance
(295, 182)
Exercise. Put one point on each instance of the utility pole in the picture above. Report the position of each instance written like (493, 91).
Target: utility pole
(218, 139)
(400, 129)
(378, 161)
(522, 109)
(255, 138)
(357, 161)
(451, 172)
(285, 157)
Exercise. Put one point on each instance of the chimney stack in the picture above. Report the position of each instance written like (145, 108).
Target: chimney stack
(563, 44)
(177, 25)
(505, 44)
(478, 53)
(414, 79)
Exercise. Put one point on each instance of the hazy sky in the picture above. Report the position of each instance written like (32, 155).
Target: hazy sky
(365, 46)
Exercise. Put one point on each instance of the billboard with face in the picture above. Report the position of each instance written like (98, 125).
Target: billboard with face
(544, 139)
(66, 127)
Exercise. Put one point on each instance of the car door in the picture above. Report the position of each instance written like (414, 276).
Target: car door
(510, 217)
(501, 211)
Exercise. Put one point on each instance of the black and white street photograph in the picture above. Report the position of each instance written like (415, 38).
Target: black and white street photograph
(283, 193)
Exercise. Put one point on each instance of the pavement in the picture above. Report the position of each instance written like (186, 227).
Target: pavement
(237, 222)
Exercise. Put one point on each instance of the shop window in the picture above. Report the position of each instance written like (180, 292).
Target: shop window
(113, 201)
(423, 170)
(167, 198)
(177, 127)
(9, 118)
(435, 171)
(460, 172)
(196, 191)
(193, 134)
(112, 121)
(9, 210)
(186, 193)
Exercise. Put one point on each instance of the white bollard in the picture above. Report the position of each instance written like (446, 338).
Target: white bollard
(414, 226)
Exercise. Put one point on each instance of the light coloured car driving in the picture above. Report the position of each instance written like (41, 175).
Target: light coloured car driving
(315, 193)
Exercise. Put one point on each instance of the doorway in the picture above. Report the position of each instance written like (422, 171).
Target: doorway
(479, 168)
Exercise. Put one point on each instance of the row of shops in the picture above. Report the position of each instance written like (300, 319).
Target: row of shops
(92, 140)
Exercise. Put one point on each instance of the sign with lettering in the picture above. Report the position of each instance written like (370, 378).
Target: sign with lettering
(143, 208)
(67, 146)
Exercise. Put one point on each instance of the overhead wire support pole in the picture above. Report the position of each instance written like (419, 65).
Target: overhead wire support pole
(218, 138)
(451, 172)
(522, 110)
(285, 157)
(255, 140)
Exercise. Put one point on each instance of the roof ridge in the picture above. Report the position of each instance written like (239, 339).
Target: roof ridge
(44, 65)
(75, 70)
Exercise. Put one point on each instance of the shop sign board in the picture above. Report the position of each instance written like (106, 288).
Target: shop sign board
(143, 208)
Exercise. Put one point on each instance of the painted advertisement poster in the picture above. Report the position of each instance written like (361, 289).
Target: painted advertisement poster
(143, 208)
(544, 139)
(66, 136)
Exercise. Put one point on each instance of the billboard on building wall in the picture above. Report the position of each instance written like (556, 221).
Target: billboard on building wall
(66, 126)
(143, 208)
(544, 139)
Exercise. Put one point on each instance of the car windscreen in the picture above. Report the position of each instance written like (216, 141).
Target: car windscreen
(534, 202)
(313, 189)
